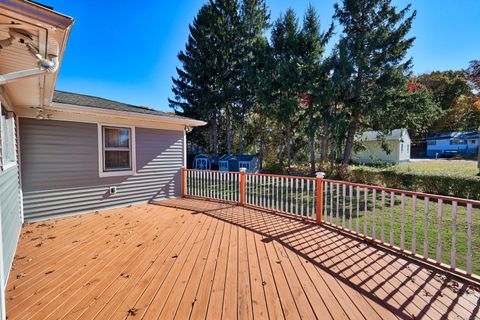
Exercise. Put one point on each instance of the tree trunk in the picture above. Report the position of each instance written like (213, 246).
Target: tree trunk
(260, 151)
(312, 155)
(240, 142)
(229, 130)
(347, 154)
(289, 147)
(324, 151)
(215, 134)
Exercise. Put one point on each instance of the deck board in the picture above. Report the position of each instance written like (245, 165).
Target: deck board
(193, 259)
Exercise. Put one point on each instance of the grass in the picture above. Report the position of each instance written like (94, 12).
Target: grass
(457, 168)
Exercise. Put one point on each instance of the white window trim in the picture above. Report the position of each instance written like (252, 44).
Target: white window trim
(247, 163)
(119, 173)
(4, 165)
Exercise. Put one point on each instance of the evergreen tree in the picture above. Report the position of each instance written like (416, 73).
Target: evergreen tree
(312, 75)
(376, 42)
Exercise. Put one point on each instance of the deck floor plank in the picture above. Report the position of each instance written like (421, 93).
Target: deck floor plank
(194, 259)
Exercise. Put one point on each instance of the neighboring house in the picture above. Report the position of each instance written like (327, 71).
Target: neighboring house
(236, 162)
(398, 143)
(63, 153)
(447, 144)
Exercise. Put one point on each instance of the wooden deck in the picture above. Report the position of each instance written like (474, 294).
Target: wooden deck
(218, 261)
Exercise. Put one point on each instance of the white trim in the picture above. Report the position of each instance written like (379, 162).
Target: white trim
(3, 309)
(19, 162)
(133, 153)
(185, 148)
(71, 116)
(151, 117)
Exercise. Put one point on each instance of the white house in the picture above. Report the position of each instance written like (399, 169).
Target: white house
(398, 143)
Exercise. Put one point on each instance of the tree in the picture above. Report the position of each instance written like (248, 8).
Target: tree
(375, 41)
(195, 88)
(312, 75)
(286, 52)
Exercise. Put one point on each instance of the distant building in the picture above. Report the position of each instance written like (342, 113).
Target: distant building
(448, 144)
(398, 143)
(235, 162)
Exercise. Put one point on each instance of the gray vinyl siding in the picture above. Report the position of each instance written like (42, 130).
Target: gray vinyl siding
(60, 169)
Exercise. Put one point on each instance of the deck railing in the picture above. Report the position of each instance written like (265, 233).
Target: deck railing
(440, 230)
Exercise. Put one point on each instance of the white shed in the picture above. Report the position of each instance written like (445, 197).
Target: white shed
(398, 142)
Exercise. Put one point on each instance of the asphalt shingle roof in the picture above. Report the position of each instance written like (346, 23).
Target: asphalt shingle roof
(101, 103)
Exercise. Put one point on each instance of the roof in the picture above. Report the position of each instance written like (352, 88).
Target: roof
(237, 157)
(395, 134)
(453, 135)
(77, 99)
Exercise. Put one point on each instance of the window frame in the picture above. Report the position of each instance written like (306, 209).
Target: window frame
(245, 163)
(101, 152)
(9, 116)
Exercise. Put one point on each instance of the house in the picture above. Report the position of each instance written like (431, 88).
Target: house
(398, 143)
(64, 153)
(236, 162)
(205, 162)
(447, 144)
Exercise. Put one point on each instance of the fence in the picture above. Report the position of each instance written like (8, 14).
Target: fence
(437, 229)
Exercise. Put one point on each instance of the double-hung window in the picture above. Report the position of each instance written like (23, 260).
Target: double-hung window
(117, 154)
(8, 155)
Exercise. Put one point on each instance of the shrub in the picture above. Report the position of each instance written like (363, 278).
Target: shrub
(461, 187)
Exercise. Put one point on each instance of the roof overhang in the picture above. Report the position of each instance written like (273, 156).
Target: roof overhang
(49, 31)
(69, 112)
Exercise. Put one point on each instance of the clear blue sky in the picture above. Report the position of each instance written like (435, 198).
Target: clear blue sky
(127, 50)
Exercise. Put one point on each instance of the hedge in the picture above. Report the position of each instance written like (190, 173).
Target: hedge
(461, 187)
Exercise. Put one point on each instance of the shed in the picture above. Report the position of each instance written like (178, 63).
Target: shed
(235, 162)
(397, 141)
(205, 162)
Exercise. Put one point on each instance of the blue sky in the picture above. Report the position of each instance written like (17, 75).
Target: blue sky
(127, 50)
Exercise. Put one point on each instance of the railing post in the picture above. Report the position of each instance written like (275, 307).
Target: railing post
(319, 196)
(184, 182)
(242, 185)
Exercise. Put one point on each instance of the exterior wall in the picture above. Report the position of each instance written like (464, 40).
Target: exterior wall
(11, 215)
(373, 152)
(444, 145)
(60, 168)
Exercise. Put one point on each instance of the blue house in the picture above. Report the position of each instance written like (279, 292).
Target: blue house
(447, 144)
(235, 162)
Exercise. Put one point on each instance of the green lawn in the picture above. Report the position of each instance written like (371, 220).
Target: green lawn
(460, 168)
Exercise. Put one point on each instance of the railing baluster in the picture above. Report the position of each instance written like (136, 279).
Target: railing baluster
(365, 213)
(325, 196)
(296, 197)
(453, 261)
(426, 203)
(350, 192)
(343, 202)
(281, 194)
(303, 197)
(374, 214)
(392, 218)
(331, 202)
(439, 230)
(469, 239)
(308, 197)
(414, 224)
(402, 234)
(314, 198)
(382, 235)
(358, 210)
(337, 207)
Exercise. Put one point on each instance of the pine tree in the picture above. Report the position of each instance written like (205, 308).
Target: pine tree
(376, 42)
(312, 75)
(286, 50)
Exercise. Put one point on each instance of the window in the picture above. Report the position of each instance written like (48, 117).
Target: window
(117, 151)
(8, 156)
(456, 141)
(473, 141)
(401, 147)
(432, 143)
(223, 165)
(244, 164)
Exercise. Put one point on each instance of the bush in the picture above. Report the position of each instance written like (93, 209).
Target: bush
(461, 187)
